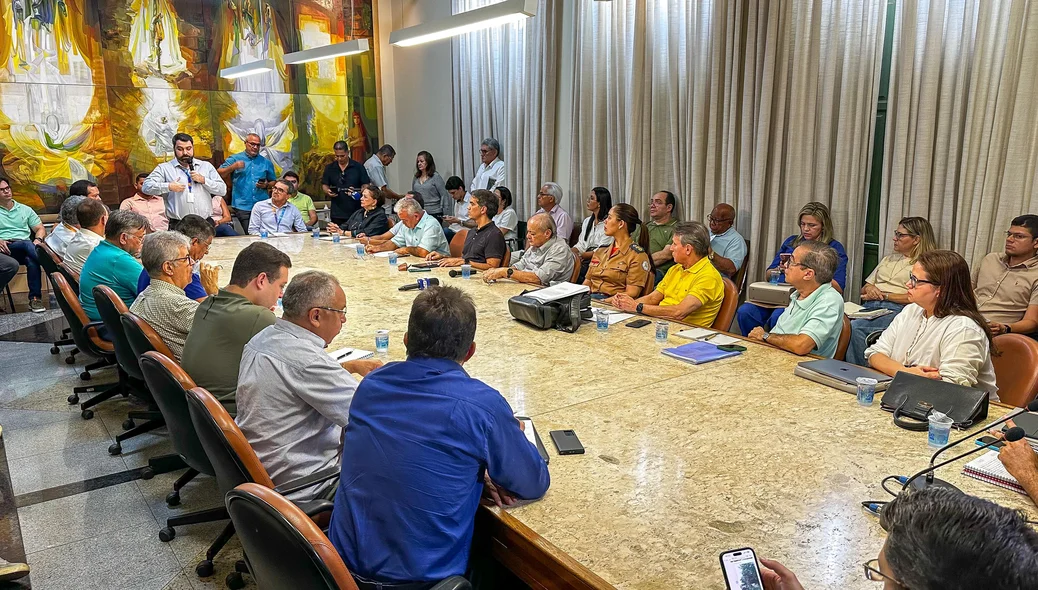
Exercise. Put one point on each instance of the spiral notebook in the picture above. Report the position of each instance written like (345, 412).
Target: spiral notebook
(988, 468)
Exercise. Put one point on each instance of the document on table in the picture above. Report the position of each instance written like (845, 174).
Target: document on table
(386, 254)
(707, 335)
(558, 291)
(349, 354)
(341, 240)
(857, 312)
(614, 316)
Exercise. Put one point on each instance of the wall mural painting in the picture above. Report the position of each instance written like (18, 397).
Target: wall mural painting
(96, 89)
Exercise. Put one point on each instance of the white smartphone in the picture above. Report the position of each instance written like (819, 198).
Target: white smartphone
(741, 571)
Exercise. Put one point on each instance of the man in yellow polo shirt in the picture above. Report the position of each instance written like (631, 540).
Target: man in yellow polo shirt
(692, 290)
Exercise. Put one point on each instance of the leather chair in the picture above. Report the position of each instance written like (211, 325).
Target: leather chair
(507, 260)
(285, 549)
(740, 275)
(234, 463)
(458, 243)
(87, 338)
(845, 339)
(1016, 369)
(50, 260)
(726, 315)
(71, 276)
(111, 308)
(576, 268)
(574, 236)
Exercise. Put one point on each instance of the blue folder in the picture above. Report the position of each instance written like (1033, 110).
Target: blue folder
(698, 353)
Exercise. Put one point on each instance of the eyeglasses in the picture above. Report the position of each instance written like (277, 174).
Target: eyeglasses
(1009, 234)
(278, 189)
(341, 312)
(252, 143)
(189, 260)
(6, 189)
(898, 235)
(207, 245)
(913, 282)
(873, 574)
(713, 219)
(793, 263)
(484, 151)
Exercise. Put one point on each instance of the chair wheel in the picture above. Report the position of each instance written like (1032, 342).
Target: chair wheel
(167, 534)
(234, 581)
(73, 399)
(70, 360)
(115, 449)
(54, 350)
(204, 569)
(87, 414)
(147, 473)
(85, 375)
(173, 499)
(128, 424)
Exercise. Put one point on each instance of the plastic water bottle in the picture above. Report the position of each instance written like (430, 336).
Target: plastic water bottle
(263, 234)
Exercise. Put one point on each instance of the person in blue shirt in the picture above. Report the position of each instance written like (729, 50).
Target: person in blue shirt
(276, 214)
(251, 176)
(424, 441)
(815, 226)
(204, 277)
(114, 262)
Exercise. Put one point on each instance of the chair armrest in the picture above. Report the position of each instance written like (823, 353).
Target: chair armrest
(92, 332)
(453, 583)
(314, 507)
(305, 482)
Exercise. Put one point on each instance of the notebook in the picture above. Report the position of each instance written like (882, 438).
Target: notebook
(349, 354)
(857, 312)
(698, 353)
(988, 468)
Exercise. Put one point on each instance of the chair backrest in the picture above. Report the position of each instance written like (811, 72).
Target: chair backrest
(726, 315)
(142, 337)
(574, 235)
(71, 277)
(740, 275)
(282, 545)
(508, 258)
(845, 339)
(650, 284)
(576, 268)
(1016, 369)
(86, 339)
(169, 385)
(458, 243)
(110, 307)
(233, 460)
(48, 258)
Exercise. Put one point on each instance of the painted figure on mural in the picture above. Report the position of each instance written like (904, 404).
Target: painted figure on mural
(45, 41)
(357, 139)
(49, 148)
(154, 38)
(254, 36)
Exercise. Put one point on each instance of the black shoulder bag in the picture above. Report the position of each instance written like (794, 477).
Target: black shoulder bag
(912, 398)
(565, 314)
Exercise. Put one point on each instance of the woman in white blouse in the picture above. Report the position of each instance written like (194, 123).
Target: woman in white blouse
(592, 230)
(507, 220)
(940, 334)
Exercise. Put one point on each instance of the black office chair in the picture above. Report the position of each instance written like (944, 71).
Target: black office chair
(235, 463)
(85, 335)
(50, 260)
(111, 308)
(285, 549)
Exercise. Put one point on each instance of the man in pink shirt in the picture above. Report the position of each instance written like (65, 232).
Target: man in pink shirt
(153, 208)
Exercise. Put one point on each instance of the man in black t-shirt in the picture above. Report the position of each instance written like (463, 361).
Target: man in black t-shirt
(485, 245)
(341, 180)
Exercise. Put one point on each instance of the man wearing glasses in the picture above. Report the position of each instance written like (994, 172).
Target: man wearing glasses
(18, 225)
(251, 176)
(1006, 283)
(293, 397)
(203, 283)
(276, 214)
(491, 171)
(163, 304)
(727, 247)
(114, 261)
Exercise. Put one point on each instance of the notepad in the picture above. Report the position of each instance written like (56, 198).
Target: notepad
(387, 253)
(988, 468)
(344, 355)
(707, 335)
(698, 353)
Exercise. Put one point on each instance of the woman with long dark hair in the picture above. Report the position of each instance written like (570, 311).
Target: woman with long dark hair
(592, 231)
(429, 185)
(623, 266)
(940, 334)
(507, 220)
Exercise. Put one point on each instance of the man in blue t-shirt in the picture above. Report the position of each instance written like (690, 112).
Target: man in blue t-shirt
(204, 276)
(411, 481)
(251, 176)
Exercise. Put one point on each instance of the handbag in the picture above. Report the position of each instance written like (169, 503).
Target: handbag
(913, 398)
(564, 314)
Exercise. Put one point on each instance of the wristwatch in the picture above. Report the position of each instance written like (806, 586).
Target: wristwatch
(765, 336)
(510, 271)
(710, 256)
(639, 307)
(1009, 329)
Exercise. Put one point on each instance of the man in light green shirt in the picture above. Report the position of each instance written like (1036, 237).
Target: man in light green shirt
(814, 319)
(19, 224)
(302, 201)
(661, 231)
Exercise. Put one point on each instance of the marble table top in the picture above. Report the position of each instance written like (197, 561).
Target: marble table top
(682, 462)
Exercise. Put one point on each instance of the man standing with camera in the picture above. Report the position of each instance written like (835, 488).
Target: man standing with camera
(342, 178)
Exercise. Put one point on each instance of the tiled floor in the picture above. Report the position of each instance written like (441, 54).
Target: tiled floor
(84, 518)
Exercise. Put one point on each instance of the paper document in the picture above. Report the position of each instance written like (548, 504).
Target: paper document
(341, 240)
(349, 354)
(557, 291)
(386, 254)
(857, 312)
(707, 336)
(615, 316)
(851, 308)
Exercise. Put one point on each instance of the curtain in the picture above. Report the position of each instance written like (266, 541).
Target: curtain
(962, 129)
(764, 105)
(505, 81)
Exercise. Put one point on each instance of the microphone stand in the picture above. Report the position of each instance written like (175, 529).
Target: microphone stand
(1012, 435)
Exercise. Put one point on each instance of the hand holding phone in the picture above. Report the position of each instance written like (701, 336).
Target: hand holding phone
(740, 569)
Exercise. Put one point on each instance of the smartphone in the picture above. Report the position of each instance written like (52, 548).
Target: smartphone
(990, 440)
(566, 442)
(637, 323)
(531, 435)
(741, 571)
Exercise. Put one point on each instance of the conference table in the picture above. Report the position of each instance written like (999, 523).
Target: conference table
(682, 461)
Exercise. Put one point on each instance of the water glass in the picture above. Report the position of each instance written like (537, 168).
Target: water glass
(601, 320)
(317, 232)
(336, 237)
(382, 341)
(263, 234)
(866, 391)
(360, 250)
(392, 259)
(466, 271)
(940, 430)
(662, 329)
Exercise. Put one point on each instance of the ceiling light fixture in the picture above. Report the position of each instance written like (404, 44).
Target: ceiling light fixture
(328, 51)
(509, 11)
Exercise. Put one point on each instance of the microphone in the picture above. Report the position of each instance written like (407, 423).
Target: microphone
(1031, 407)
(1012, 435)
(457, 273)
(416, 285)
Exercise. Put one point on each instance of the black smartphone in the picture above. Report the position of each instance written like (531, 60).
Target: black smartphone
(566, 442)
(637, 323)
(740, 569)
(990, 440)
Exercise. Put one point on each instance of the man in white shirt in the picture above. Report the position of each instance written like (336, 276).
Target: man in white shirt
(67, 226)
(548, 198)
(293, 398)
(187, 184)
(92, 217)
(376, 169)
(491, 171)
(276, 214)
(460, 218)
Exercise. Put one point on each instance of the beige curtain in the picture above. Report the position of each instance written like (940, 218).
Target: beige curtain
(764, 105)
(962, 130)
(505, 81)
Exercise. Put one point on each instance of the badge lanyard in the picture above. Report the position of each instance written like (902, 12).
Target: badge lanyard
(190, 186)
(280, 216)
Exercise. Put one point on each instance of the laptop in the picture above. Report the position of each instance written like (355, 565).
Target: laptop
(839, 374)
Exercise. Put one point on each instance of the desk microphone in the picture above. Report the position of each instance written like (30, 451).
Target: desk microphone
(929, 481)
(457, 273)
(415, 285)
(1012, 435)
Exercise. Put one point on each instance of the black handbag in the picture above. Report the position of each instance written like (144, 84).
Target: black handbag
(912, 398)
(565, 314)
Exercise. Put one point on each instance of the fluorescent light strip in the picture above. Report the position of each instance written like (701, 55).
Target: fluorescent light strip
(328, 51)
(248, 69)
(501, 13)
